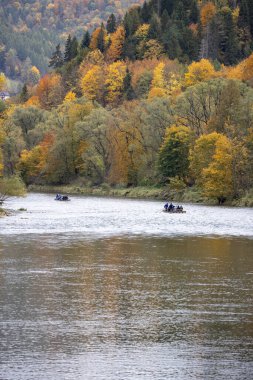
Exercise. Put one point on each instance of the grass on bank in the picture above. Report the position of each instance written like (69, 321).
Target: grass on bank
(187, 195)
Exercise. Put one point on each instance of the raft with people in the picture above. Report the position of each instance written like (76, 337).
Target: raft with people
(60, 197)
(173, 209)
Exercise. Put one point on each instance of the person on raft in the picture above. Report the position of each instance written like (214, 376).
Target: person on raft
(171, 207)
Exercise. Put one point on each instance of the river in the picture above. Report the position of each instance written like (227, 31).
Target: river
(102, 288)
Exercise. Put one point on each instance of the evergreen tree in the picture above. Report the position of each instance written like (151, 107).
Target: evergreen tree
(24, 96)
(194, 12)
(180, 13)
(155, 27)
(246, 14)
(67, 53)
(228, 38)
(127, 86)
(164, 19)
(86, 40)
(145, 12)
(111, 24)
(168, 5)
(101, 39)
(56, 60)
(73, 48)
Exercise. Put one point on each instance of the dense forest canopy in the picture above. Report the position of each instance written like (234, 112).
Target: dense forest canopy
(161, 97)
(29, 29)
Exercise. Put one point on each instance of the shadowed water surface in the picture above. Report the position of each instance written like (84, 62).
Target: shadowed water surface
(114, 289)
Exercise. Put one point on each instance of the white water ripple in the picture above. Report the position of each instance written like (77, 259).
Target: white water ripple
(102, 217)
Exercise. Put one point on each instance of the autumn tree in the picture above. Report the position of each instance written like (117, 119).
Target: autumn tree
(115, 50)
(199, 72)
(98, 39)
(50, 90)
(27, 119)
(97, 156)
(92, 83)
(158, 82)
(217, 177)
(32, 163)
(2, 82)
(11, 186)
(201, 155)
(115, 82)
(207, 13)
(211, 164)
(174, 153)
(33, 76)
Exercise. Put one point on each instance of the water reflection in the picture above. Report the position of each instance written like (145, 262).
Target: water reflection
(126, 308)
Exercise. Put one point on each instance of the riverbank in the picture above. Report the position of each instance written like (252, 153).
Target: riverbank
(189, 195)
(2, 212)
(160, 193)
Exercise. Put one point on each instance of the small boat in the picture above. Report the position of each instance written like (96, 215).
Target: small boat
(174, 211)
(60, 197)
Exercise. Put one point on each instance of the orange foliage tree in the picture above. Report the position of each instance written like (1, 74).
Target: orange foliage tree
(50, 91)
(207, 12)
(32, 164)
(115, 50)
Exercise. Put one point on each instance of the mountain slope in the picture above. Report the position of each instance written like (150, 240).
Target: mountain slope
(30, 29)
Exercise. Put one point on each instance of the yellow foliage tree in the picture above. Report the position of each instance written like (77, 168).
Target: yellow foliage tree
(234, 72)
(33, 76)
(153, 49)
(2, 82)
(70, 97)
(142, 32)
(115, 50)
(158, 87)
(116, 73)
(211, 165)
(92, 82)
(217, 177)
(174, 85)
(119, 157)
(1, 153)
(33, 163)
(199, 72)
(202, 153)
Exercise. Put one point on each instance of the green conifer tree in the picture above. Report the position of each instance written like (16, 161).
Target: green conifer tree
(111, 24)
(56, 60)
(67, 53)
(73, 48)
(24, 96)
(101, 39)
(86, 40)
(127, 86)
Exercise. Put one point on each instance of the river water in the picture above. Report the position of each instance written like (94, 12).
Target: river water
(101, 288)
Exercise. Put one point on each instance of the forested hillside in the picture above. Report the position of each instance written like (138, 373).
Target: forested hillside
(29, 29)
(156, 99)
